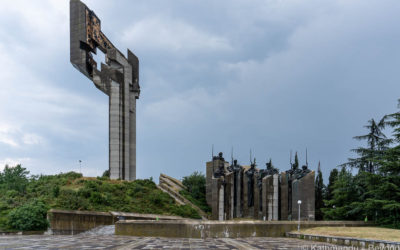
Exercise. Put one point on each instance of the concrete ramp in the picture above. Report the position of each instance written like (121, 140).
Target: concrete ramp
(172, 187)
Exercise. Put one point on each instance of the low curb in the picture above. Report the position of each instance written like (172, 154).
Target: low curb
(348, 241)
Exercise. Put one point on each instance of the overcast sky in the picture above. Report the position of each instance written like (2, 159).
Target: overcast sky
(271, 76)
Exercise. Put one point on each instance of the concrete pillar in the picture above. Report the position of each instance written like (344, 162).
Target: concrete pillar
(132, 138)
(284, 196)
(239, 194)
(275, 199)
(256, 208)
(264, 199)
(245, 195)
(270, 193)
(221, 201)
(115, 131)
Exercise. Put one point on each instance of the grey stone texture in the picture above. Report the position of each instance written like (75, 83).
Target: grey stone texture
(118, 78)
(284, 196)
(303, 189)
(227, 193)
(110, 241)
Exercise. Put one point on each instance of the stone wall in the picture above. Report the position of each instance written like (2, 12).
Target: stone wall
(75, 222)
(220, 229)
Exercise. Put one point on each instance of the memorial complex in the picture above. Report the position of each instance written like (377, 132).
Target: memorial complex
(234, 191)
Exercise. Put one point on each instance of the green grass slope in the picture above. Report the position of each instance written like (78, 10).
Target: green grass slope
(71, 191)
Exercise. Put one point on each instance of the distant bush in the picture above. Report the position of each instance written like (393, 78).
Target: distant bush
(186, 211)
(29, 217)
(106, 174)
(195, 184)
(196, 190)
(69, 199)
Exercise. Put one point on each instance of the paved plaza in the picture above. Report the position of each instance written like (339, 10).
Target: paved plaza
(128, 242)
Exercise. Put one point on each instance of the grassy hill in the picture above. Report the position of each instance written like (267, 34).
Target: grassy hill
(20, 194)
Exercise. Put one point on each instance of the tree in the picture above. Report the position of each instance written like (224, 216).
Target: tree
(196, 185)
(377, 143)
(395, 123)
(332, 178)
(29, 217)
(14, 178)
(319, 194)
(344, 192)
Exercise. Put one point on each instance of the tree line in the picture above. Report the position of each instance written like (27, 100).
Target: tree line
(366, 187)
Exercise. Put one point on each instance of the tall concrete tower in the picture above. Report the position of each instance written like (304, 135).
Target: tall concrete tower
(118, 78)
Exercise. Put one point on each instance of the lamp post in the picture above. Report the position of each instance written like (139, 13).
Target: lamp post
(298, 226)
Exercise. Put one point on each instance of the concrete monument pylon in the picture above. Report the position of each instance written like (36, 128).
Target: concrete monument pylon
(118, 78)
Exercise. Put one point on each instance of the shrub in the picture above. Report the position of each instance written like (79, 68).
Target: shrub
(69, 199)
(196, 185)
(29, 217)
(106, 174)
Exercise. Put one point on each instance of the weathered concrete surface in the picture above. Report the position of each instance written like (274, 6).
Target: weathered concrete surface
(348, 241)
(137, 216)
(221, 229)
(284, 197)
(118, 78)
(304, 190)
(75, 222)
(129, 242)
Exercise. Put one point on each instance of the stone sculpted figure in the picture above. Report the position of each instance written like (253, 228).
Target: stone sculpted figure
(221, 168)
(250, 184)
(234, 167)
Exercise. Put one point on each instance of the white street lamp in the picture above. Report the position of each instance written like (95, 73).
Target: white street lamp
(298, 226)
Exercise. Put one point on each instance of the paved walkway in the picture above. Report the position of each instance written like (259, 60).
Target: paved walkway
(127, 242)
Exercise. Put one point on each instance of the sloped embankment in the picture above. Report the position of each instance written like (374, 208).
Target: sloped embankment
(173, 187)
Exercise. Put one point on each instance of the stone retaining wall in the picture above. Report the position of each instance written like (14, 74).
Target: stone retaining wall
(221, 229)
(347, 241)
(75, 222)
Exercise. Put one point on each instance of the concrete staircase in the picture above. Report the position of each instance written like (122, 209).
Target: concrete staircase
(172, 187)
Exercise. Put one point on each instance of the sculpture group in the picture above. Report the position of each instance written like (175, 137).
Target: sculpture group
(118, 78)
(234, 191)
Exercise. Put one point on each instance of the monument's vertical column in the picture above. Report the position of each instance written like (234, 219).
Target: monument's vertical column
(264, 198)
(245, 211)
(114, 131)
(256, 197)
(132, 137)
(221, 204)
(275, 199)
(284, 196)
(126, 115)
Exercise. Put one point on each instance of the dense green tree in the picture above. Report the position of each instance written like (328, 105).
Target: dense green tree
(30, 216)
(196, 190)
(394, 122)
(344, 193)
(14, 178)
(368, 157)
(374, 192)
(195, 184)
(333, 175)
(319, 194)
